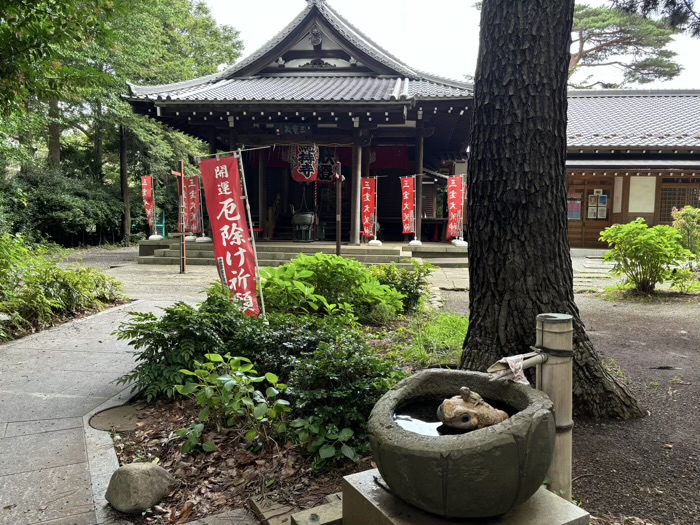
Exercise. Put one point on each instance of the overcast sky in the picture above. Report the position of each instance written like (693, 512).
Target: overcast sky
(436, 36)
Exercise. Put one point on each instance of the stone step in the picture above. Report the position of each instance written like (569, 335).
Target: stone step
(209, 261)
(307, 248)
(284, 257)
(149, 259)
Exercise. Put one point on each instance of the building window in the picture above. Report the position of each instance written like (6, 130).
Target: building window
(678, 196)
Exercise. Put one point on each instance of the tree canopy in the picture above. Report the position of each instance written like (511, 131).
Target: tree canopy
(680, 14)
(65, 101)
(634, 45)
(35, 38)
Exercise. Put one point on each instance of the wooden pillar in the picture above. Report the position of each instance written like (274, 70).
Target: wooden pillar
(212, 140)
(124, 179)
(355, 216)
(262, 190)
(232, 139)
(419, 174)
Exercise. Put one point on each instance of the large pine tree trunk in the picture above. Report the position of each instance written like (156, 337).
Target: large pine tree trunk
(519, 256)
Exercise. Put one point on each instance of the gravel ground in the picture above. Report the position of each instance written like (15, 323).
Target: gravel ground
(649, 468)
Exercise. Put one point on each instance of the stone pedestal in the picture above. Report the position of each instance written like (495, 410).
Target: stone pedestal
(366, 500)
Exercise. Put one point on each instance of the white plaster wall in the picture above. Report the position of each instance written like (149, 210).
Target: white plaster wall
(617, 199)
(642, 194)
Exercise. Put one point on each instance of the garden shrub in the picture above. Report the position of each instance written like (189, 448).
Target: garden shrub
(35, 291)
(175, 341)
(66, 209)
(646, 256)
(185, 334)
(411, 283)
(687, 222)
(323, 283)
(334, 378)
(339, 383)
(225, 388)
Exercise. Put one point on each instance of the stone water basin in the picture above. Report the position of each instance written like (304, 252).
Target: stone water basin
(478, 474)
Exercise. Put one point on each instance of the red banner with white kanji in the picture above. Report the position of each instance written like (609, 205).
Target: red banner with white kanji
(408, 204)
(455, 207)
(369, 206)
(233, 249)
(192, 204)
(149, 203)
(304, 161)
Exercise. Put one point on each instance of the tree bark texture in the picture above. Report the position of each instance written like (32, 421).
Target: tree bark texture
(519, 254)
(54, 139)
(124, 179)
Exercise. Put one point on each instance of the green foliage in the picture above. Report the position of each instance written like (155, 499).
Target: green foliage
(327, 443)
(687, 222)
(326, 284)
(333, 375)
(225, 388)
(679, 14)
(432, 339)
(637, 46)
(77, 59)
(35, 291)
(35, 36)
(684, 280)
(183, 335)
(646, 256)
(175, 341)
(412, 284)
(193, 439)
(65, 209)
(339, 383)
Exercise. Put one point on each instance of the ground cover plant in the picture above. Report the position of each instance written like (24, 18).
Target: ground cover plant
(36, 292)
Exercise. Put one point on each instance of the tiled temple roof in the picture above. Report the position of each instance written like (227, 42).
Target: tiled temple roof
(634, 118)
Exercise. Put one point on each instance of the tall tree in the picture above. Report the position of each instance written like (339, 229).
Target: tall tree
(635, 45)
(34, 35)
(519, 255)
(681, 14)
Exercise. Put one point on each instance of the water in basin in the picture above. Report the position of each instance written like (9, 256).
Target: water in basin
(420, 416)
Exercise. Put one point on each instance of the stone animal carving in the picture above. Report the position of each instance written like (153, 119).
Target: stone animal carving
(468, 411)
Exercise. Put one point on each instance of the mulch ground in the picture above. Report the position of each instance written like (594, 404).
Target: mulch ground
(625, 472)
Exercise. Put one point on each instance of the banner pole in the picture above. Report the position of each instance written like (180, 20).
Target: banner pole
(375, 241)
(183, 242)
(416, 238)
(250, 230)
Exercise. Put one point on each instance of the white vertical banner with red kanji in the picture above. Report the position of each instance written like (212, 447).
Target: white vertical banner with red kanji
(233, 249)
(408, 204)
(149, 203)
(455, 207)
(369, 206)
(192, 204)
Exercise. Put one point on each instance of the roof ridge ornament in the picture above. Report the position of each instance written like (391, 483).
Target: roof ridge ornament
(315, 2)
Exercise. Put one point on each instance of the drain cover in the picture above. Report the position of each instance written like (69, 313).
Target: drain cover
(122, 419)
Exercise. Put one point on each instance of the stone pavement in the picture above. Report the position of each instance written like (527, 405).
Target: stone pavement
(49, 381)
